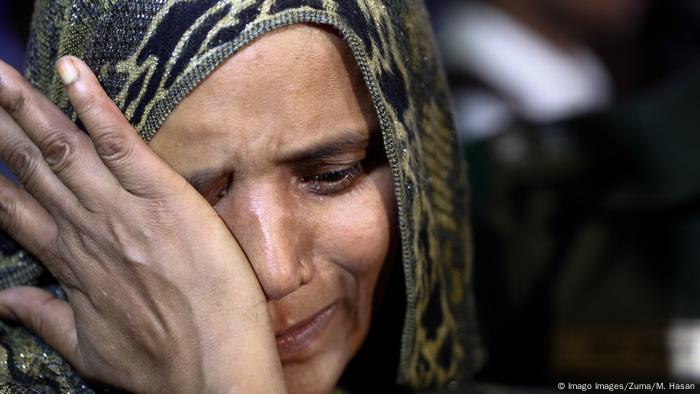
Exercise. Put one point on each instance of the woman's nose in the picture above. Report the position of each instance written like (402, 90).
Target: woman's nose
(272, 237)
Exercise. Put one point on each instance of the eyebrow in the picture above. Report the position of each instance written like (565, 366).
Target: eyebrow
(347, 141)
(320, 152)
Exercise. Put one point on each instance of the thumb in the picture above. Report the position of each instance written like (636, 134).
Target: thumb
(49, 317)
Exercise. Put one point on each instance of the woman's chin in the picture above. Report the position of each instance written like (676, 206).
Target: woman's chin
(317, 368)
(313, 376)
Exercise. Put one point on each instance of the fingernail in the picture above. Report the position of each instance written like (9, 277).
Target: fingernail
(67, 71)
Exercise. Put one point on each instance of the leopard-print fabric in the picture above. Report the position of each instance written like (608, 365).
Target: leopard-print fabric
(149, 54)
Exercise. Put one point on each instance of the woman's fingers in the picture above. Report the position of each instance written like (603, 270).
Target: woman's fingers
(46, 315)
(25, 220)
(40, 139)
(136, 167)
(26, 161)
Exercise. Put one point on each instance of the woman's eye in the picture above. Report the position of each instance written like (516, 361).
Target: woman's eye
(334, 181)
(216, 190)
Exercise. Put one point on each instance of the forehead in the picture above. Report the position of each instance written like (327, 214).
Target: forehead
(295, 59)
(280, 90)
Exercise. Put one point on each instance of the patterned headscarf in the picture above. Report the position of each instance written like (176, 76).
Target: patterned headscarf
(149, 54)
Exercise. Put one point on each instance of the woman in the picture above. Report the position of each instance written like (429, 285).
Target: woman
(297, 148)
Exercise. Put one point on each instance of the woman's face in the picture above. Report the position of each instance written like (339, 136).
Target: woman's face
(283, 141)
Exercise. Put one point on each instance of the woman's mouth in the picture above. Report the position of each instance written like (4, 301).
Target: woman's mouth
(300, 336)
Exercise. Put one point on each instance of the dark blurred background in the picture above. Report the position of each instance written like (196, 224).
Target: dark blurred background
(581, 123)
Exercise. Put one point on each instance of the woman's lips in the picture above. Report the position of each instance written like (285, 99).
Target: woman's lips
(301, 335)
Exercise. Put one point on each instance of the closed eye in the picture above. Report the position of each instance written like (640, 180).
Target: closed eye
(215, 189)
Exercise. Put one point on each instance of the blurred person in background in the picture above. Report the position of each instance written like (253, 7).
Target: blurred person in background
(529, 59)
(580, 120)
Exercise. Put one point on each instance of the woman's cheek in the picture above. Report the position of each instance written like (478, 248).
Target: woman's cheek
(356, 227)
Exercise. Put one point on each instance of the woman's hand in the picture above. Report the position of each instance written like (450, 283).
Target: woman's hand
(161, 297)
